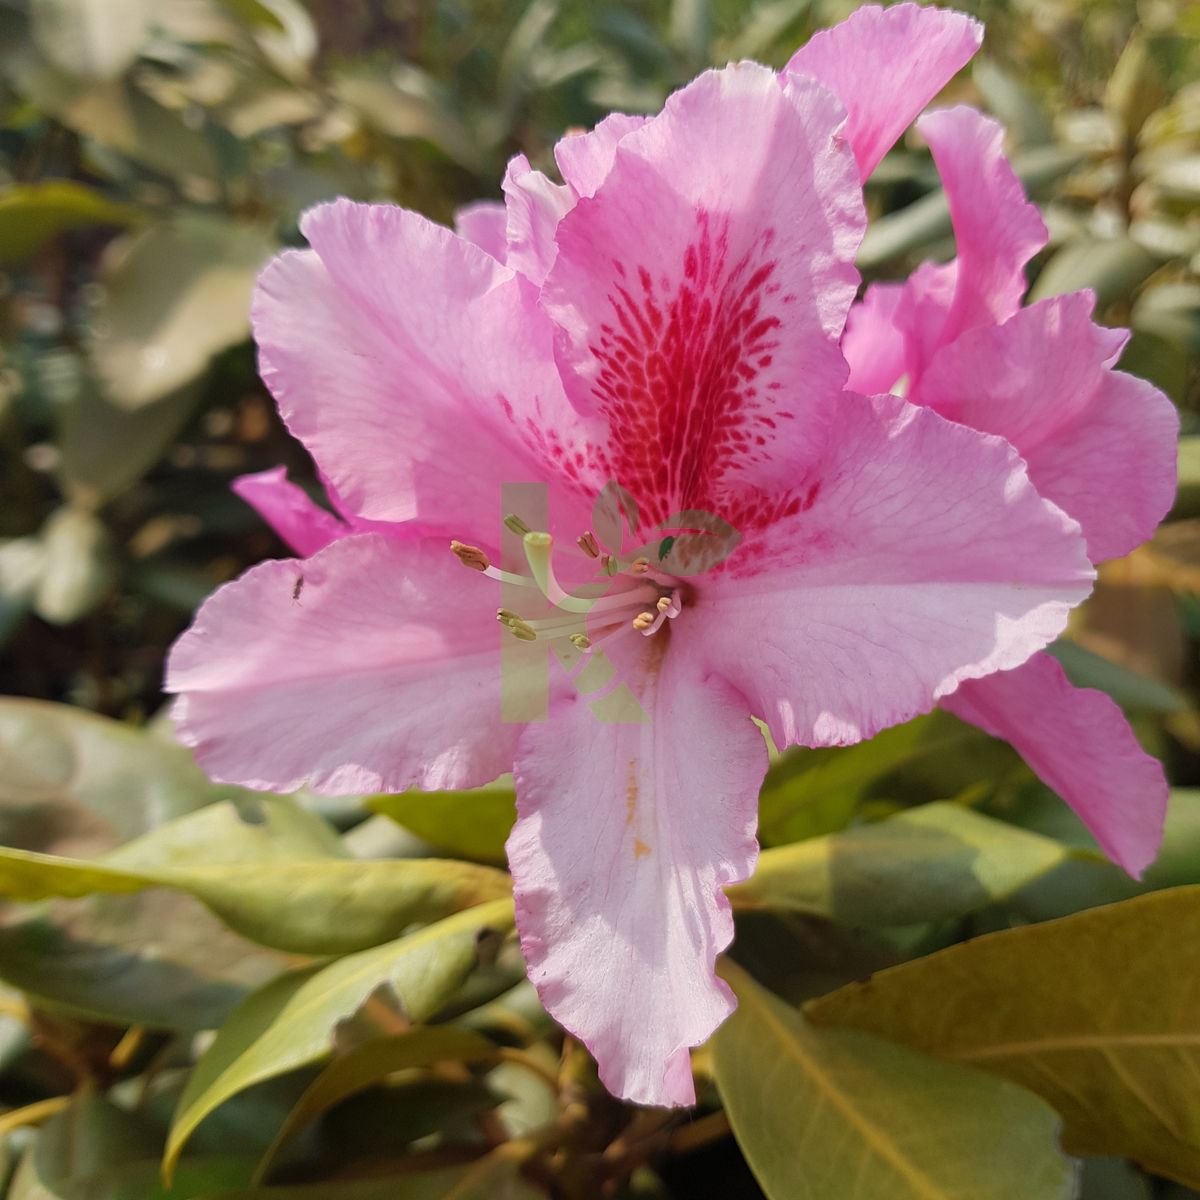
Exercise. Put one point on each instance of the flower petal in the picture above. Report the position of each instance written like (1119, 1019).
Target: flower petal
(535, 205)
(413, 366)
(874, 346)
(702, 290)
(626, 836)
(372, 666)
(303, 524)
(919, 556)
(484, 224)
(885, 65)
(1080, 744)
(585, 159)
(1099, 443)
(996, 229)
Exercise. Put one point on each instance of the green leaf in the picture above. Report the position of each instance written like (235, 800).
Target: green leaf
(290, 1023)
(173, 296)
(93, 39)
(32, 213)
(1112, 267)
(1127, 687)
(810, 792)
(1098, 1012)
(473, 824)
(307, 906)
(495, 1177)
(930, 863)
(370, 1061)
(75, 782)
(828, 1115)
(77, 568)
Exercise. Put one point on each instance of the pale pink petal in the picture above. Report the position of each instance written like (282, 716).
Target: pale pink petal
(702, 291)
(372, 666)
(484, 223)
(627, 835)
(874, 347)
(918, 556)
(996, 229)
(1099, 443)
(413, 366)
(1080, 744)
(303, 524)
(535, 205)
(585, 159)
(885, 65)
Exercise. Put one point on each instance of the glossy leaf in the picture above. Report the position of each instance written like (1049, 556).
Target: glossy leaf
(831, 1115)
(1098, 1012)
(174, 295)
(290, 1023)
(32, 213)
(472, 824)
(370, 1061)
(931, 863)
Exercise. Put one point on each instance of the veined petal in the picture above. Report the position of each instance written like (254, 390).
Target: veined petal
(874, 346)
(534, 205)
(372, 666)
(920, 556)
(885, 65)
(484, 224)
(701, 292)
(1099, 443)
(303, 524)
(585, 159)
(996, 229)
(410, 363)
(626, 836)
(1080, 744)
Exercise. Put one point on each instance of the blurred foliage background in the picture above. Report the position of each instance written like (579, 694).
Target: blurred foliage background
(153, 155)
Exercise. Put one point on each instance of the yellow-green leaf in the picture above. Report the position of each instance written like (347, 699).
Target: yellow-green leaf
(290, 1022)
(472, 824)
(1097, 1012)
(926, 864)
(32, 213)
(833, 1115)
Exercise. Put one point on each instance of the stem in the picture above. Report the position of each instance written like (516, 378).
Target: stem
(32, 1114)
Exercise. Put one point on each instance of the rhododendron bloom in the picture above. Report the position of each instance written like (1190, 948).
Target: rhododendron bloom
(661, 331)
(1099, 443)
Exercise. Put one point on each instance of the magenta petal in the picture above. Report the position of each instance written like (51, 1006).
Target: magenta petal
(885, 65)
(1099, 443)
(535, 205)
(702, 291)
(626, 837)
(585, 159)
(412, 365)
(1080, 744)
(921, 556)
(372, 666)
(304, 525)
(996, 229)
(484, 223)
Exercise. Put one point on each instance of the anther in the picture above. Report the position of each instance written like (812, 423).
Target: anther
(664, 602)
(514, 524)
(470, 556)
(639, 566)
(643, 621)
(580, 641)
(588, 544)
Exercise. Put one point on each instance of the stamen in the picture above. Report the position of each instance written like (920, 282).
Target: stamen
(538, 547)
(664, 602)
(470, 556)
(639, 566)
(588, 544)
(514, 524)
(580, 641)
(643, 621)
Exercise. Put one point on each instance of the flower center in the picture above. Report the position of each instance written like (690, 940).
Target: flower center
(630, 598)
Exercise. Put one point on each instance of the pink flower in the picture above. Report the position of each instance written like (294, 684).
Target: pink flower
(1099, 443)
(667, 320)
